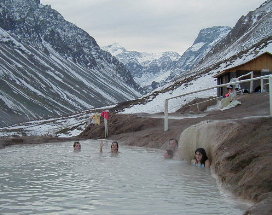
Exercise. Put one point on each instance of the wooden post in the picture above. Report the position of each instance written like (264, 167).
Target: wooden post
(166, 115)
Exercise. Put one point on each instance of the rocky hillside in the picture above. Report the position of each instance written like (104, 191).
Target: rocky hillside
(250, 35)
(216, 48)
(148, 69)
(153, 70)
(205, 41)
(50, 67)
(250, 42)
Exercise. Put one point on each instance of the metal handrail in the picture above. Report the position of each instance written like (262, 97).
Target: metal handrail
(217, 86)
(250, 73)
(207, 100)
(251, 82)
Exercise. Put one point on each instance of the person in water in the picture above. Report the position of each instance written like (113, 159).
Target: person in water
(77, 146)
(114, 147)
(171, 148)
(201, 159)
(168, 154)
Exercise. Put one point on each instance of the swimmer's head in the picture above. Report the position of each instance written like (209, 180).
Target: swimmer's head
(114, 146)
(77, 145)
(200, 155)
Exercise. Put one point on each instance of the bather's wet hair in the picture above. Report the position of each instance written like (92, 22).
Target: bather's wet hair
(75, 144)
(204, 155)
(115, 142)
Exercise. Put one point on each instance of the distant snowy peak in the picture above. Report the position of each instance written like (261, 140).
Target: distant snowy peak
(114, 49)
(142, 57)
(205, 41)
(152, 70)
(208, 35)
(148, 69)
(130, 56)
(172, 55)
(207, 38)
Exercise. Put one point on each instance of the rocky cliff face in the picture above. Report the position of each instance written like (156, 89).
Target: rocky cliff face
(205, 41)
(50, 67)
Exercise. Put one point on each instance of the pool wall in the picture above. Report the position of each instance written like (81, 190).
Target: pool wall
(240, 152)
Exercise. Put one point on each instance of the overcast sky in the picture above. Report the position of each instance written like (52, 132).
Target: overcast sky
(151, 25)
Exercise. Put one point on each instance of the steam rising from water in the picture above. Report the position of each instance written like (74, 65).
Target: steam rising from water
(52, 179)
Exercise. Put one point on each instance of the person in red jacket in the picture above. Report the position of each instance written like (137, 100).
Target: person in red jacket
(106, 115)
(231, 92)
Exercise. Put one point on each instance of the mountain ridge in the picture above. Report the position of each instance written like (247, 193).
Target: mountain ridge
(50, 67)
(152, 70)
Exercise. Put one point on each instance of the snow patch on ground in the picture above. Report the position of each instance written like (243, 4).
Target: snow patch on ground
(147, 79)
(66, 126)
(157, 104)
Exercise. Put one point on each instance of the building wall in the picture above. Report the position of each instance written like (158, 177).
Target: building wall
(256, 65)
(262, 62)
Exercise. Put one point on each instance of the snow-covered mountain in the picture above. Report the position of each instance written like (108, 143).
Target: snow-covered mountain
(148, 69)
(213, 47)
(152, 103)
(205, 41)
(50, 67)
(251, 33)
(251, 36)
(153, 70)
(201, 77)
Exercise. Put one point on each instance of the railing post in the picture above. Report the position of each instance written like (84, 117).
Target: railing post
(262, 85)
(166, 104)
(166, 115)
(251, 83)
(270, 93)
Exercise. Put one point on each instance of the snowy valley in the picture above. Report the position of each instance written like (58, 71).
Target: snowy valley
(215, 49)
(50, 67)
